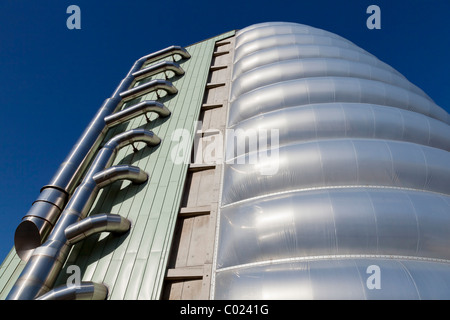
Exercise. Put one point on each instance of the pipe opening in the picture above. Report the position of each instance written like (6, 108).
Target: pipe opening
(28, 237)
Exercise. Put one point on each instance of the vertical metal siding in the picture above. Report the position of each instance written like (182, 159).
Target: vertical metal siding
(133, 265)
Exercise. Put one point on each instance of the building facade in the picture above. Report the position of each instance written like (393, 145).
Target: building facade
(279, 161)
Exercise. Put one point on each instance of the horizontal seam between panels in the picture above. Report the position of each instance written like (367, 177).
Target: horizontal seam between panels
(332, 257)
(231, 160)
(377, 63)
(343, 43)
(409, 86)
(330, 188)
(312, 105)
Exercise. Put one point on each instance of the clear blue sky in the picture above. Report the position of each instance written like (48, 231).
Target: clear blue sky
(53, 80)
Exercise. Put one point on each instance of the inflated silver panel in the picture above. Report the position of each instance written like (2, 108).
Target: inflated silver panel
(359, 175)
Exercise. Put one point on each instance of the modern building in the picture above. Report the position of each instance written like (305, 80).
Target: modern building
(279, 161)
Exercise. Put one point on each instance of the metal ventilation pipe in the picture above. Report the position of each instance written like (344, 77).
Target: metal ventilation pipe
(85, 291)
(139, 109)
(46, 261)
(44, 212)
(167, 52)
(151, 86)
(96, 224)
(162, 66)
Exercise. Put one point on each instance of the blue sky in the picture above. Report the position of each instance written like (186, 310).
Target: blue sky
(53, 80)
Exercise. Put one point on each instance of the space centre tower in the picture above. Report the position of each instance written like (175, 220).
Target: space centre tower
(279, 161)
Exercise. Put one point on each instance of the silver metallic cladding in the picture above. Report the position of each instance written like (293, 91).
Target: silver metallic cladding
(362, 175)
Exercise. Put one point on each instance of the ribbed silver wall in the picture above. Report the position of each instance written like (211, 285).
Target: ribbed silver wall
(362, 175)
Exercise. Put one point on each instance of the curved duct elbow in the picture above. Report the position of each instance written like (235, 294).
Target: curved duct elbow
(137, 110)
(84, 291)
(96, 224)
(148, 87)
(37, 224)
(50, 216)
(167, 52)
(121, 172)
(159, 67)
(132, 136)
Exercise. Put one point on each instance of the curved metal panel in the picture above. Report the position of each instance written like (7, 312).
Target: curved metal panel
(350, 120)
(330, 89)
(315, 67)
(288, 52)
(358, 174)
(262, 30)
(292, 39)
(326, 279)
(335, 163)
(326, 222)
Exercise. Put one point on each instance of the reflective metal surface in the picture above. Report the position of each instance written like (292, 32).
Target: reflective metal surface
(162, 66)
(338, 278)
(335, 221)
(46, 261)
(41, 218)
(359, 175)
(86, 291)
(151, 86)
(120, 172)
(141, 108)
(95, 224)
(167, 52)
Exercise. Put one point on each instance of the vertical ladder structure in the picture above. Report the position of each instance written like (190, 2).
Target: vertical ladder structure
(190, 264)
